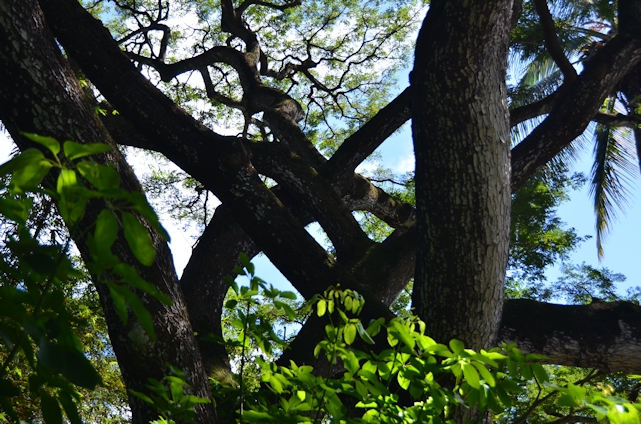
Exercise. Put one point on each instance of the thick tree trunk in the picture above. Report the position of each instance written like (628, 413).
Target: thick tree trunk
(461, 141)
(39, 93)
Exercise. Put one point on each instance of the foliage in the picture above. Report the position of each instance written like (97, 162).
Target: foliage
(377, 381)
(339, 59)
(391, 372)
(172, 399)
(40, 313)
(252, 315)
(538, 237)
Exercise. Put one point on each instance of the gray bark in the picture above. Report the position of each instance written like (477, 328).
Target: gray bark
(461, 140)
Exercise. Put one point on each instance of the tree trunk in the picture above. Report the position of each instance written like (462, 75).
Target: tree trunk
(40, 94)
(460, 127)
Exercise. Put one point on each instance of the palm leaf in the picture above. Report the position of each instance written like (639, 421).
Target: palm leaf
(613, 171)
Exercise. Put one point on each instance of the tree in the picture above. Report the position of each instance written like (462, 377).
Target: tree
(455, 243)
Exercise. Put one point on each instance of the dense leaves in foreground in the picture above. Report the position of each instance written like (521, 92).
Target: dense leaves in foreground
(382, 371)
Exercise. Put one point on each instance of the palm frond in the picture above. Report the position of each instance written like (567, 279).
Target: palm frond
(612, 174)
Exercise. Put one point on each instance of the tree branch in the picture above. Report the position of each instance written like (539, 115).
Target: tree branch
(618, 120)
(532, 110)
(357, 147)
(552, 42)
(606, 336)
(302, 180)
(221, 164)
(575, 109)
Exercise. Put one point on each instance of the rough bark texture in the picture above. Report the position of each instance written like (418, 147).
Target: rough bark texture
(601, 335)
(461, 141)
(45, 97)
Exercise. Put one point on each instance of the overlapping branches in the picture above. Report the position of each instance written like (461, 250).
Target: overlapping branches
(312, 188)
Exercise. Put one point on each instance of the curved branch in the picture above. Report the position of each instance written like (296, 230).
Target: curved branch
(552, 42)
(231, 21)
(361, 195)
(577, 106)
(357, 147)
(214, 95)
(284, 6)
(618, 120)
(223, 54)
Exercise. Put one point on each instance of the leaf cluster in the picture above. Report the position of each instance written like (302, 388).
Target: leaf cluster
(37, 327)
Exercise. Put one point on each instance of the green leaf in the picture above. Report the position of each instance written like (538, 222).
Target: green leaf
(321, 307)
(471, 375)
(41, 262)
(139, 310)
(16, 210)
(103, 177)
(257, 416)
(131, 276)
(138, 239)
(349, 333)
(540, 373)
(402, 332)
(25, 158)
(119, 302)
(51, 356)
(567, 400)
(335, 407)
(275, 384)
(364, 334)
(244, 261)
(29, 176)
(505, 398)
(375, 327)
(70, 408)
(402, 381)
(140, 205)
(361, 389)
(457, 346)
(50, 410)
(75, 150)
(72, 199)
(487, 376)
(288, 295)
(106, 231)
(79, 371)
(142, 397)
(49, 142)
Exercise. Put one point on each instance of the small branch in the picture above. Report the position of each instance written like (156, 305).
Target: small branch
(618, 120)
(214, 95)
(523, 113)
(552, 41)
(357, 147)
(288, 5)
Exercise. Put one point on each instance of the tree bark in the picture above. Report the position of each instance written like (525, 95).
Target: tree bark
(460, 127)
(602, 335)
(40, 94)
